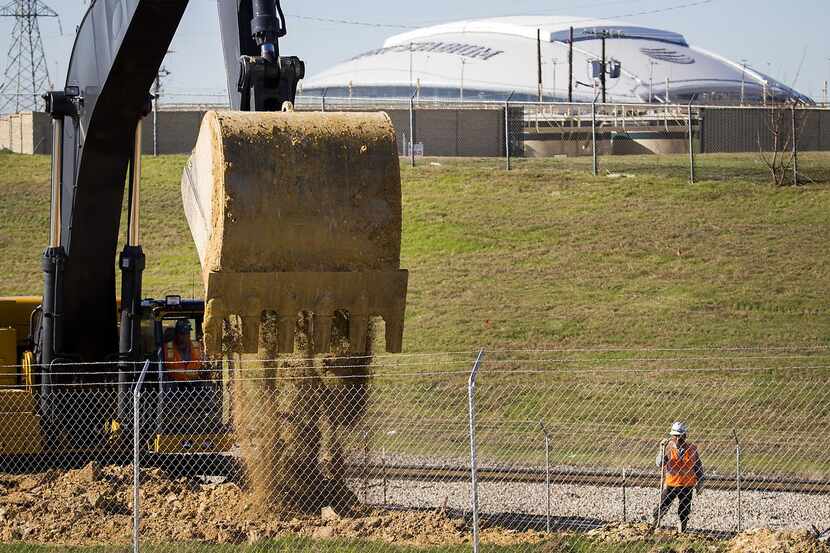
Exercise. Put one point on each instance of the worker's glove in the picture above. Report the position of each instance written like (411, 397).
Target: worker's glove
(699, 489)
(663, 443)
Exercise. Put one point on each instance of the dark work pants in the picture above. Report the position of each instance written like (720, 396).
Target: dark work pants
(684, 501)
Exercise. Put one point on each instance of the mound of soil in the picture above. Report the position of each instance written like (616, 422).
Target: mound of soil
(93, 506)
(766, 541)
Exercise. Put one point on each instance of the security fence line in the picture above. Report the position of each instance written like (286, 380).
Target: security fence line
(522, 444)
(714, 142)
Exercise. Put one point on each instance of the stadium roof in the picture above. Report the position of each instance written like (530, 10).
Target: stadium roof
(489, 59)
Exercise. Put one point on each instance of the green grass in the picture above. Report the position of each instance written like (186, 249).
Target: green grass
(545, 255)
(548, 256)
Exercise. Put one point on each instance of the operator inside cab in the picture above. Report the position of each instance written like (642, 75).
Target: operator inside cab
(183, 361)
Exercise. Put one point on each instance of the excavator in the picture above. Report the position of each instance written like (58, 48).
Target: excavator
(291, 213)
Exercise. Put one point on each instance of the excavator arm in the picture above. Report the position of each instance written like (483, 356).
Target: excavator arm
(118, 49)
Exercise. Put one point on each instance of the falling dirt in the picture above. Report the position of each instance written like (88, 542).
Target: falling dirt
(292, 416)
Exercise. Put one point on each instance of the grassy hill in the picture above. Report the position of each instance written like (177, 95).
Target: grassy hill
(545, 255)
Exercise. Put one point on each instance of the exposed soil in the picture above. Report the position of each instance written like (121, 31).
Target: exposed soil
(750, 541)
(777, 542)
(92, 506)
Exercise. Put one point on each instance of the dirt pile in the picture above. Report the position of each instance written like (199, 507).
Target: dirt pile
(659, 541)
(766, 541)
(92, 506)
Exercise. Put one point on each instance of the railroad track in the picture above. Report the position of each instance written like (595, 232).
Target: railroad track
(578, 477)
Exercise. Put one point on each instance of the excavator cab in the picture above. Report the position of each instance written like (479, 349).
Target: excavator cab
(186, 390)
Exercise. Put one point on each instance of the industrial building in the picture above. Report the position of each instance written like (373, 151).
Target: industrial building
(500, 58)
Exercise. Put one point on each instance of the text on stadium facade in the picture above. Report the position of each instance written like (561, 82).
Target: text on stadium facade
(456, 48)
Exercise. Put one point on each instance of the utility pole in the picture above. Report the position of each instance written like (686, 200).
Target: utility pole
(571, 66)
(603, 69)
(539, 62)
(410, 69)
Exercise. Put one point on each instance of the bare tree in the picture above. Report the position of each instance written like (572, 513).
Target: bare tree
(780, 151)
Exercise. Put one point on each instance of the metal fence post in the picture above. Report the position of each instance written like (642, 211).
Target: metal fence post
(738, 475)
(691, 147)
(383, 468)
(365, 467)
(412, 131)
(795, 147)
(507, 133)
(547, 475)
(594, 167)
(659, 517)
(624, 484)
(471, 397)
(507, 129)
(137, 455)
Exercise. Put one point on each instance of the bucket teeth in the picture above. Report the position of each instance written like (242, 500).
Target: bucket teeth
(285, 334)
(214, 317)
(322, 332)
(394, 334)
(358, 330)
(361, 294)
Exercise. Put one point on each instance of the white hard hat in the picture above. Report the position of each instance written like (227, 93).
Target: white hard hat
(678, 429)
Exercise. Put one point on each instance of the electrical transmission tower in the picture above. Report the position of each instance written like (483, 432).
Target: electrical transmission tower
(27, 75)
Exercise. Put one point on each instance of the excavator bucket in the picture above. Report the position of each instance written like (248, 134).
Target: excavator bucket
(297, 212)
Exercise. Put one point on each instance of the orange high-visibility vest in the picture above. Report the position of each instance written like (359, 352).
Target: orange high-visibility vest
(680, 470)
(178, 369)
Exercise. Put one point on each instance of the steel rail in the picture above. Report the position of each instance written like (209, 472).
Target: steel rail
(578, 477)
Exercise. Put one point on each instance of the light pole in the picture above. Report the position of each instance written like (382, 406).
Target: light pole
(652, 63)
(160, 74)
(410, 69)
(743, 80)
(461, 89)
(554, 61)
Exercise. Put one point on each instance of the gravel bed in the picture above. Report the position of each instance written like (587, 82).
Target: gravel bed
(590, 506)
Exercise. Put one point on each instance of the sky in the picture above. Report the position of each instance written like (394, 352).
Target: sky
(787, 40)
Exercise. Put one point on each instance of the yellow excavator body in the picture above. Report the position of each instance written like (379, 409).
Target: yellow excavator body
(20, 432)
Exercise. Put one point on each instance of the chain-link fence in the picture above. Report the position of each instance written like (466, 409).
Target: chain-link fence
(776, 144)
(524, 450)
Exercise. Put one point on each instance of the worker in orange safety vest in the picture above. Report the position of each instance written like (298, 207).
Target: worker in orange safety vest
(683, 474)
(182, 358)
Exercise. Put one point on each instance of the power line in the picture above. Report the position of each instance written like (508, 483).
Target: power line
(352, 22)
(580, 20)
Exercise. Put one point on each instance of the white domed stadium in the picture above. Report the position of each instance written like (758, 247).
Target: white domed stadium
(490, 59)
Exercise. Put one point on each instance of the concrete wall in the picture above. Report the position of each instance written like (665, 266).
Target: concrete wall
(26, 133)
(470, 132)
(748, 130)
(5, 133)
(176, 132)
(452, 132)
